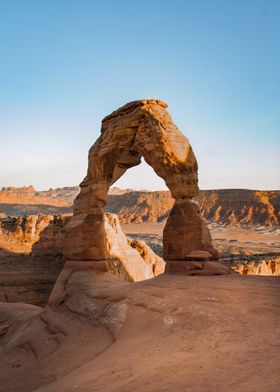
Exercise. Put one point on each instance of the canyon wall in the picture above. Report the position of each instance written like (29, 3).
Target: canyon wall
(221, 206)
(241, 207)
(267, 267)
(30, 257)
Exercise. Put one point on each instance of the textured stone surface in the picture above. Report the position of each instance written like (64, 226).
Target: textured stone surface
(200, 268)
(234, 207)
(139, 129)
(185, 232)
(19, 234)
(265, 267)
(133, 260)
(31, 256)
(172, 333)
(130, 260)
(50, 242)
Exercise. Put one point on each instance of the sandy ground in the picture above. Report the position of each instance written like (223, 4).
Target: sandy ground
(171, 333)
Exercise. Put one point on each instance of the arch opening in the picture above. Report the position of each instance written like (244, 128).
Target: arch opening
(141, 177)
(142, 212)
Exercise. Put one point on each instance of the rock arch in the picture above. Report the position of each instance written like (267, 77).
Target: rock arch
(140, 129)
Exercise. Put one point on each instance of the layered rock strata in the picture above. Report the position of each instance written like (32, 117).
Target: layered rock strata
(234, 207)
(26, 233)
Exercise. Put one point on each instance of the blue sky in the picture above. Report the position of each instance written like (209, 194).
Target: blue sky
(66, 64)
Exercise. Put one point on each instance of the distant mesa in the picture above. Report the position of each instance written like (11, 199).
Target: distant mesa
(236, 207)
(24, 189)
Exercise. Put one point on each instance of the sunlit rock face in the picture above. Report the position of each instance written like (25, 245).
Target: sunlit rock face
(31, 256)
(266, 267)
(39, 234)
(139, 129)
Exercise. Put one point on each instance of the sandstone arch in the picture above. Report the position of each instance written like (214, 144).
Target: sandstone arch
(139, 129)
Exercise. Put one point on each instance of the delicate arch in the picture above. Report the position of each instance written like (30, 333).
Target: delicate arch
(139, 129)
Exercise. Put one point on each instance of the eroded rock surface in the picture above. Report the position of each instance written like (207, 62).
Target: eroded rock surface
(269, 267)
(186, 232)
(139, 129)
(31, 256)
(130, 260)
(18, 235)
(227, 207)
(171, 333)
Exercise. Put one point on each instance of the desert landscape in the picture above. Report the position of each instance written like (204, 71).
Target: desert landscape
(111, 335)
(139, 196)
(244, 225)
(250, 248)
(97, 298)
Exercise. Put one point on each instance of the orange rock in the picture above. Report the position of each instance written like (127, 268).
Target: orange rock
(139, 129)
(200, 268)
(186, 231)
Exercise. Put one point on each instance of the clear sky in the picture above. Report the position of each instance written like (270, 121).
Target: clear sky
(66, 64)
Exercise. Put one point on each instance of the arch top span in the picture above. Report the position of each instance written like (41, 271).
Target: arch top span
(139, 129)
(143, 129)
(133, 105)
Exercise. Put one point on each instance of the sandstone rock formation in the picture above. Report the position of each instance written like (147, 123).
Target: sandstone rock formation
(28, 195)
(31, 256)
(241, 207)
(171, 333)
(266, 267)
(139, 129)
(18, 235)
(140, 206)
(227, 207)
(234, 207)
(131, 260)
(27, 201)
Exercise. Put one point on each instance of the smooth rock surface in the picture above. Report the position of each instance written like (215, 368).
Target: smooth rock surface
(172, 333)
